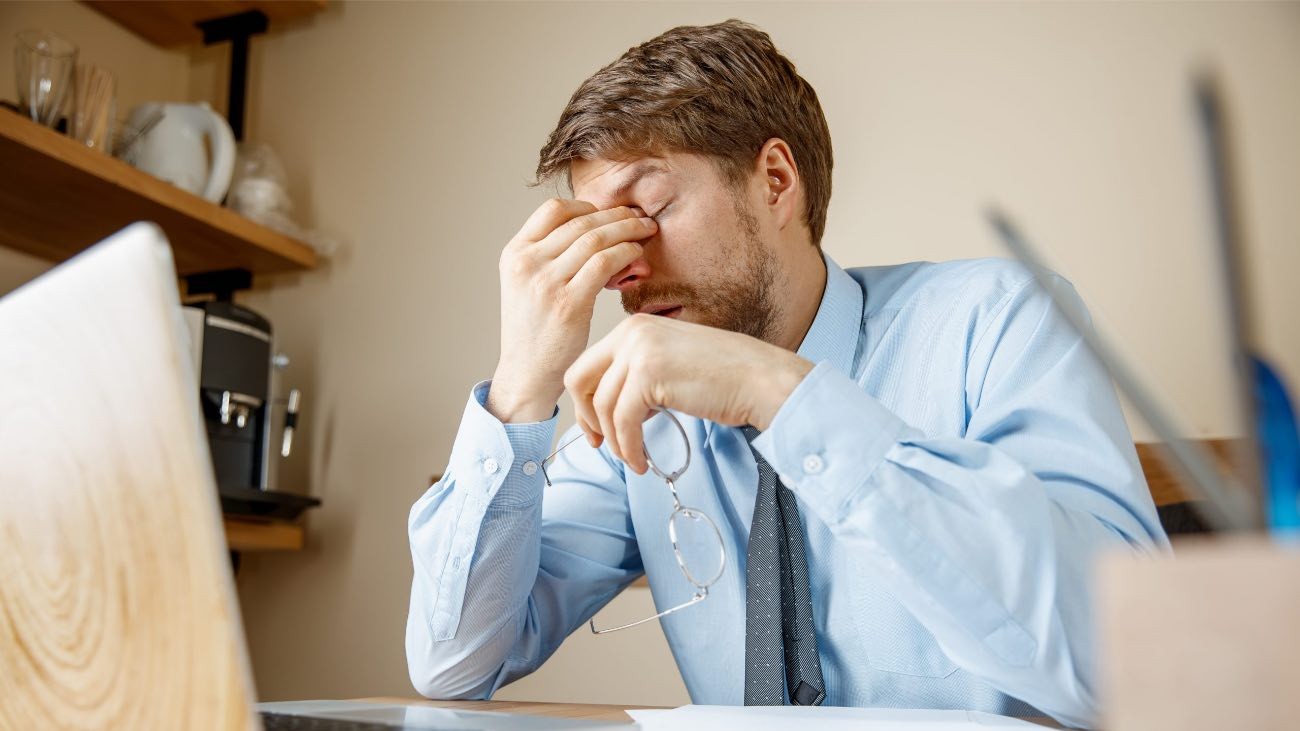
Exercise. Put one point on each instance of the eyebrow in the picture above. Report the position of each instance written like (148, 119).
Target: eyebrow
(640, 171)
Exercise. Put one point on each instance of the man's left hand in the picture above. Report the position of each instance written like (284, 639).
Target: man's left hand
(651, 362)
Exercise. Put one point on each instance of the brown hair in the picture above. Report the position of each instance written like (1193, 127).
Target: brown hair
(719, 90)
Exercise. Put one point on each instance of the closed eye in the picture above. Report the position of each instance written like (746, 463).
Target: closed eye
(659, 212)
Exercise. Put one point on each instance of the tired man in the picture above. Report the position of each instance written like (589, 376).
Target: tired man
(910, 468)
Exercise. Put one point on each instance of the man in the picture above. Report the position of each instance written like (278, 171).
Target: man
(923, 458)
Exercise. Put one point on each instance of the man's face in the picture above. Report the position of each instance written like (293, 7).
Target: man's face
(708, 263)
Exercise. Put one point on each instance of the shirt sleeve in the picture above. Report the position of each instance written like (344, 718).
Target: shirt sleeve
(987, 539)
(502, 574)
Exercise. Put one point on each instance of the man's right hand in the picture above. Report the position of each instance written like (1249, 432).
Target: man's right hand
(551, 272)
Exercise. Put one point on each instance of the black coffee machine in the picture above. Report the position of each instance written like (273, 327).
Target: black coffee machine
(231, 347)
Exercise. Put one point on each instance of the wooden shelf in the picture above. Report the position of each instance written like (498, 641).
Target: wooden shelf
(243, 534)
(58, 197)
(171, 24)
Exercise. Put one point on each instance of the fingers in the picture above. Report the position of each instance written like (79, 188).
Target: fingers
(628, 414)
(608, 401)
(603, 400)
(558, 240)
(581, 243)
(598, 270)
(601, 238)
(615, 410)
(550, 215)
(581, 381)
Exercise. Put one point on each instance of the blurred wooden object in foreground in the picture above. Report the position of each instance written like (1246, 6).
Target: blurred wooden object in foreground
(1205, 641)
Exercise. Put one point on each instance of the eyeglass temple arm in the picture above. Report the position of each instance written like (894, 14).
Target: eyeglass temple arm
(551, 456)
(699, 597)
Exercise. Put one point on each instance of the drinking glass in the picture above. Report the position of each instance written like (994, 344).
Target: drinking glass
(44, 64)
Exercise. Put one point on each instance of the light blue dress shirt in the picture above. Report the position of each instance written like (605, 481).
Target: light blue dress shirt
(959, 459)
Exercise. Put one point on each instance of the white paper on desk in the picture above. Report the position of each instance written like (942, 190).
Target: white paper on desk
(782, 718)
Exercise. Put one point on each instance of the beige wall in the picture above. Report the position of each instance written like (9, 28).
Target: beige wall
(409, 130)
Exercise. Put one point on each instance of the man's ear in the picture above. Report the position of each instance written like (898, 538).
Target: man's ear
(780, 184)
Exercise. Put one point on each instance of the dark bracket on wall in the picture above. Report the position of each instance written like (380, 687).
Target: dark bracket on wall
(222, 284)
(237, 29)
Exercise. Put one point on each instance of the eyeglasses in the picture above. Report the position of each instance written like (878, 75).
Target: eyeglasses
(695, 538)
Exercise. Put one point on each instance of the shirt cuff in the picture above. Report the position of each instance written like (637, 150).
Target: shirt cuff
(507, 457)
(827, 439)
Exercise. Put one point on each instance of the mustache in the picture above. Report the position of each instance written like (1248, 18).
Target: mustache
(637, 297)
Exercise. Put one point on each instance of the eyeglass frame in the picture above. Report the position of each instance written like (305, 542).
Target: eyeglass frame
(701, 591)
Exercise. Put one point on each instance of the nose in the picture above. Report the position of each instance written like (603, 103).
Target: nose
(629, 275)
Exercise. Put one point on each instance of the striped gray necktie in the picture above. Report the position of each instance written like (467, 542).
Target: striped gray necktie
(780, 640)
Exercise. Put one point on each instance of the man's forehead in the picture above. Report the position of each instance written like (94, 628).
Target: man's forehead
(609, 180)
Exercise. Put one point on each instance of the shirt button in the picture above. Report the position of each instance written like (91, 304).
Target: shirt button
(530, 468)
(812, 464)
(490, 466)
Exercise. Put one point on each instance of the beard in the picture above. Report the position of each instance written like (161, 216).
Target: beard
(743, 300)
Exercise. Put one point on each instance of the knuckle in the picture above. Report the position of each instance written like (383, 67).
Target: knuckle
(577, 227)
(517, 264)
(639, 324)
(606, 397)
(609, 258)
(553, 206)
(508, 261)
(625, 422)
(593, 240)
(642, 335)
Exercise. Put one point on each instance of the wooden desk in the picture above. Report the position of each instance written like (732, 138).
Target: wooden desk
(589, 711)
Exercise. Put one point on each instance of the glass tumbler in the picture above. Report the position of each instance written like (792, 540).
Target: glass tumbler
(44, 67)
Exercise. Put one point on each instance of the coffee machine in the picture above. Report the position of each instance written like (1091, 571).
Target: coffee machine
(231, 349)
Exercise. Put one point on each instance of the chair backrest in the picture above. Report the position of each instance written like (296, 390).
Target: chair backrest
(1166, 489)
(1174, 503)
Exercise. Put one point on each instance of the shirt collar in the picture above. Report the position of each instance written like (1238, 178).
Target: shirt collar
(835, 330)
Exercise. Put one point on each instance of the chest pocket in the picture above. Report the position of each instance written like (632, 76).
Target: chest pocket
(893, 640)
